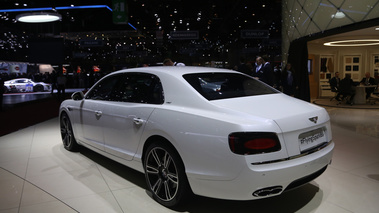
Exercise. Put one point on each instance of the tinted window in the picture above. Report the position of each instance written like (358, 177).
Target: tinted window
(139, 88)
(214, 86)
(22, 81)
(129, 87)
(103, 90)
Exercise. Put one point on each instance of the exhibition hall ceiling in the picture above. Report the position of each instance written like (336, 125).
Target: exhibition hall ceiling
(213, 18)
(313, 18)
(307, 17)
(218, 23)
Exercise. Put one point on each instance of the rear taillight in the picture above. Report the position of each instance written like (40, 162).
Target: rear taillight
(249, 143)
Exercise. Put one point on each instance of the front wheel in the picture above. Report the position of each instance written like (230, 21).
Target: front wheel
(165, 175)
(67, 134)
(5, 89)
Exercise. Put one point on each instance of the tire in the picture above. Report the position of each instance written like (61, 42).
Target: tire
(67, 134)
(38, 88)
(5, 89)
(165, 175)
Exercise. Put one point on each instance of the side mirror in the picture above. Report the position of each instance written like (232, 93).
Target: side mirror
(77, 96)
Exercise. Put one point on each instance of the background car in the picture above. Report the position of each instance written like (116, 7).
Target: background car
(25, 85)
(237, 139)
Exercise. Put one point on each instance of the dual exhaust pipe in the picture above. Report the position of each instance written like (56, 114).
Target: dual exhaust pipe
(273, 190)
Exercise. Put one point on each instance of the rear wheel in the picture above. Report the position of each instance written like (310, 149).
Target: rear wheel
(38, 88)
(165, 175)
(67, 134)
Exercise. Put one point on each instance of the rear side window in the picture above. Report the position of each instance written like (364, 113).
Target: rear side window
(215, 86)
(129, 87)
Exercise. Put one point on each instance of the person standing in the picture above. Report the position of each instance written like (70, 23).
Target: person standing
(257, 70)
(288, 80)
(53, 78)
(61, 84)
(169, 62)
(243, 67)
(268, 72)
(1, 92)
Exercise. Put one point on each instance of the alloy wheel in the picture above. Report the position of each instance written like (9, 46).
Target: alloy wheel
(162, 174)
(67, 134)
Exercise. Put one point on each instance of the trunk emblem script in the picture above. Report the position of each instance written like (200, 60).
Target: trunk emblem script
(314, 119)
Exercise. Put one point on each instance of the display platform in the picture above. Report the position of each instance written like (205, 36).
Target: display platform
(21, 110)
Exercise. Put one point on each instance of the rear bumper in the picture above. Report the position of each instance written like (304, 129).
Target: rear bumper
(276, 177)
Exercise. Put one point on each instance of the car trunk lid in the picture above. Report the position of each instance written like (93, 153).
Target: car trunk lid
(303, 124)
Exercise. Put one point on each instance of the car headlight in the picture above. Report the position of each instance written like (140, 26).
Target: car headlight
(250, 143)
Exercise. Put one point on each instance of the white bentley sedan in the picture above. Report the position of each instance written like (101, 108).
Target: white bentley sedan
(204, 131)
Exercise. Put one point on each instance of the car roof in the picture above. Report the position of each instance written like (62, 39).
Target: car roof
(177, 71)
(20, 79)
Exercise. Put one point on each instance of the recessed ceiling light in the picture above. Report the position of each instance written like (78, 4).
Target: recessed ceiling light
(353, 43)
(38, 17)
(338, 14)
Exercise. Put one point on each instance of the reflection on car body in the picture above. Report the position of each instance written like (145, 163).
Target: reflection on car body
(212, 132)
(216, 86)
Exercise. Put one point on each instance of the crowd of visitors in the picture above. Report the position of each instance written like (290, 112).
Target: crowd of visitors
(261, 69)
(282, 79)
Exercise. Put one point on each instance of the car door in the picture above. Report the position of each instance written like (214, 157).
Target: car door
(91, 120)
(125, 117)
(91, 112)
(21, 84)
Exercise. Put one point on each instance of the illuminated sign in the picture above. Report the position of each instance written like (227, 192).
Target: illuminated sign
(184, 35)
(254, 34)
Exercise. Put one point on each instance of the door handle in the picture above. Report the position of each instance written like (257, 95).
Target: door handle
(98, 113)
(138, 121)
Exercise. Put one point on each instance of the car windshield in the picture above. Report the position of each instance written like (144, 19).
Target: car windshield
(215, 86)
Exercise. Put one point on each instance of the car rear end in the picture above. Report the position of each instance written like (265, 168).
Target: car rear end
(297, 150)
(277, 142)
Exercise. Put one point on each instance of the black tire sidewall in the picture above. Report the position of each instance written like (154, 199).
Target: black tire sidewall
(38, 88)
(183, 187)
(73, 145)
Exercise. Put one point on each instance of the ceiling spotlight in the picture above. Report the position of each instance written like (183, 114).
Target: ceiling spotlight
(38, 17)
(339, 14)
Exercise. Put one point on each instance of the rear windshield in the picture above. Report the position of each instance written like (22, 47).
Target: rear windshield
(215, 86)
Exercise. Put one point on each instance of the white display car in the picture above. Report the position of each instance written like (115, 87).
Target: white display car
(25, 85)
(237, 139)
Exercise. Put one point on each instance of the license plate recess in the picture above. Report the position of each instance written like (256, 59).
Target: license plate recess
(310, 139)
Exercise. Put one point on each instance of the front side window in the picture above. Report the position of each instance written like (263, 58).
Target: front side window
(103, 90)
(215, 86)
